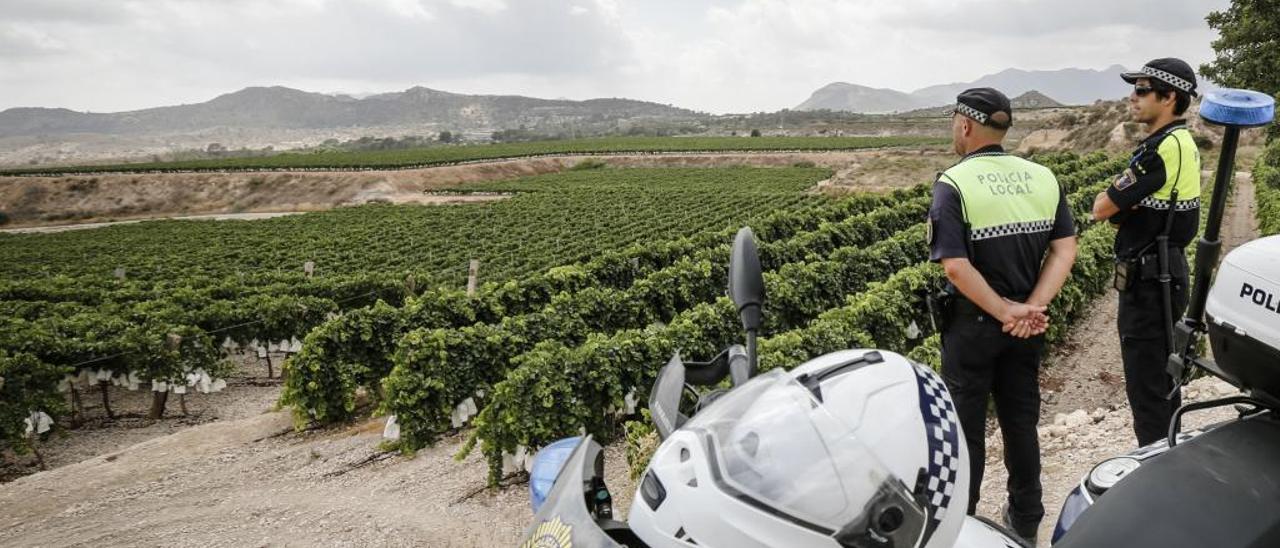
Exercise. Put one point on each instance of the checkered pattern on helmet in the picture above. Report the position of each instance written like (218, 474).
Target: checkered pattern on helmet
(1027, 227)
(942, 428)
(971, 112)
(1168, 78)
(1180, 205)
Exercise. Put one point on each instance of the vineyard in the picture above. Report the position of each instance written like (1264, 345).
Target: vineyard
(582, 358)
(157, 305)
(592, 280)
(560, 387)
(1266, 180)
(449, 155)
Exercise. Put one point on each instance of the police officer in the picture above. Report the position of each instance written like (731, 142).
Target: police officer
(993, 219)
(1158, 194)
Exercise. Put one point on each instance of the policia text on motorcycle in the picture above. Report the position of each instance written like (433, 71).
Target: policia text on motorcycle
(994, 217)
(1155, 205)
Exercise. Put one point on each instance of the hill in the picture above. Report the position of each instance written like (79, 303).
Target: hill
(1067, 86)
(273, 108)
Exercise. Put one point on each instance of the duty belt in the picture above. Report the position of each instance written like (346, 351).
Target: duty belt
(963, 307)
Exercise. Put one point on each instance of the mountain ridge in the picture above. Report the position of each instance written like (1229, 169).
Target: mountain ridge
(1069, 86)
(279, 107)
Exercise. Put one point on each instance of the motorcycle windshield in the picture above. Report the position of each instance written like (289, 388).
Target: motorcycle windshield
(775, 444)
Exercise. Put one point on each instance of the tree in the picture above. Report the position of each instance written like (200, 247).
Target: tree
(445, 136)
(1248, 46)
(1247, 49)
(755, 133)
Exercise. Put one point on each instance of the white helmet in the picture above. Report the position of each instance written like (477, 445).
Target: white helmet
(854, 448)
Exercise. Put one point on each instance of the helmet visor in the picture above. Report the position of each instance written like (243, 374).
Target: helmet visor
(775, 445)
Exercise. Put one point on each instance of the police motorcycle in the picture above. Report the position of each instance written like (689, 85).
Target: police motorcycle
(856, 448)
(1218, 486)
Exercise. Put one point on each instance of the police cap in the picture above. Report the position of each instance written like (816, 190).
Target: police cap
(987, 106)
(1172, 71)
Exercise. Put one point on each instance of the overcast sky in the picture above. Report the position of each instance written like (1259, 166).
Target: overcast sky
(715, 55)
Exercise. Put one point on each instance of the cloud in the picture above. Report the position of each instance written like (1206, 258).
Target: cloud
(714, 55)
(484, 6)
(63, 11)
(770, 54)
(413, 9)
(20, 40)
(391, 39)
(225, 45)
(1048, 17)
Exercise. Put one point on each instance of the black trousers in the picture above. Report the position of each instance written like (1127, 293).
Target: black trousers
(1142, 348)
(980, 361)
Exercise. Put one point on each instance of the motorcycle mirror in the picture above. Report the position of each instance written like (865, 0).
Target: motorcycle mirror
(664, 400)
(708, 373)
(746, 279)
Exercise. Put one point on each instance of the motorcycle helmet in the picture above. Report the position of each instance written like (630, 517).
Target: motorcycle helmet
(854, 448)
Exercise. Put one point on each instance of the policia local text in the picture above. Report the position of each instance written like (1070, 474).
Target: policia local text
(1007, 184)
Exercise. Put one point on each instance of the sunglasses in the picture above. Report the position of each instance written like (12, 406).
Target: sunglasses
(1142, 91)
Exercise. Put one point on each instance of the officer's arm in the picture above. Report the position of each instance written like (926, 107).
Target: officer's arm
(974, 287)
(1062, 253)
(1103, 207)
(1054, 272)
(1144, 176)
(947, 246)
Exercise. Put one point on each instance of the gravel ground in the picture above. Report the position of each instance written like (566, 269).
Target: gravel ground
(249, 391)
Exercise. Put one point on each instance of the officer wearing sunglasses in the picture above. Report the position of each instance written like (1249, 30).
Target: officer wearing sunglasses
(1155, 205)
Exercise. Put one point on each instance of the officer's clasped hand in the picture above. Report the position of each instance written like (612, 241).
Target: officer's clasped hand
(1024, 321)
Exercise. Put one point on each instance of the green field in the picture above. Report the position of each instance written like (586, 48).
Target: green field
(548, 220)
(64, 310)
(444, 155)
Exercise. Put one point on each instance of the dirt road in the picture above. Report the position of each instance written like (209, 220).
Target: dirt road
(86, 226)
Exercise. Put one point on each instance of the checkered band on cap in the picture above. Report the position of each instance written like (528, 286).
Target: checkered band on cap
(1168, 78)
(1180, 205)
(942, 428)
(1029, 227)
(971, 112)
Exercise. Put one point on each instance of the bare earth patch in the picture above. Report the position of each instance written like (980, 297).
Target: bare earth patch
(43, 201)
(255, 482)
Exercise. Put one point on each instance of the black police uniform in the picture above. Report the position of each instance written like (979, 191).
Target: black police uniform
(980, 360)
(1164, 161)
(1140, 320)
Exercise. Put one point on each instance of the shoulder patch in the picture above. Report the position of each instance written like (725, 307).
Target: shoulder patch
(1125, 180)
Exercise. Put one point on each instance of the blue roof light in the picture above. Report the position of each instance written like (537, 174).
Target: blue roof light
(1238, 107)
